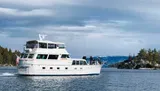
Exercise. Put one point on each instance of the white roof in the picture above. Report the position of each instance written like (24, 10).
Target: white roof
(47, 41)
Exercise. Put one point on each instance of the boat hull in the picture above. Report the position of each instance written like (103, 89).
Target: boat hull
(42, 70)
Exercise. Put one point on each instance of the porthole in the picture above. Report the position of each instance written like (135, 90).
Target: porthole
(58, 68)
(43, 67)
(66, 68)
(51, 67)
(80, 68)
(75, 68)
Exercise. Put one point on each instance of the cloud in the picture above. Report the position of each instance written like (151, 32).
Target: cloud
(105, 27)
(100, 38)
(36, 3)
(16, 12)
(144, 9)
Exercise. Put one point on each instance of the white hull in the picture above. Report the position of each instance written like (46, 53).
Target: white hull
(51, 58)
(63, 70)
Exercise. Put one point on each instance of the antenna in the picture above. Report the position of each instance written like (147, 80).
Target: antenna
(42, 36)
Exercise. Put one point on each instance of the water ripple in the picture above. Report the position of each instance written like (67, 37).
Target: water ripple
(108, 80)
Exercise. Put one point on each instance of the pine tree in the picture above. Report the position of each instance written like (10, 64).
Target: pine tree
(155, 56)
(7, 56)
(1, 59)
(142, 54)
(149, 56)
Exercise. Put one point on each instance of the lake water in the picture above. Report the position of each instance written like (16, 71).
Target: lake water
(109, 80)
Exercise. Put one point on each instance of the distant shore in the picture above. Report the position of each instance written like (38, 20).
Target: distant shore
(5, 65)
(133, 64)
(145, 59)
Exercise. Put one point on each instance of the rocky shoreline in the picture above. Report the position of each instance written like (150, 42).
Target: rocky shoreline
(132, 65)
(145, 59)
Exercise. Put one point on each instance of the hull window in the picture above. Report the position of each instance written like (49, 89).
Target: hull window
(43, 68)
(66, 68)
(58, 68)
(51, 67)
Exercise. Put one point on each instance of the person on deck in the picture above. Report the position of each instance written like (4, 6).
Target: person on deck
(91, 60)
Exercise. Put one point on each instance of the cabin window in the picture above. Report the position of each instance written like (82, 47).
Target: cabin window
(32, 44)
(42, 56)
(77, 62)
(66, 68)
(42, 45)
(58, 68)
(85, 63)
(51, 46)
(22, 55)
(73, 63)
(25, 55)
(81, 62)
(30, 55)
(53, 57)
(65, 56)
(61, 46)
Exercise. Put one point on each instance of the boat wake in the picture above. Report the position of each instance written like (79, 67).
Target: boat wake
(6, 74)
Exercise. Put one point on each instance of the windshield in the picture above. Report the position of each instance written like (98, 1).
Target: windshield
(22, 55)
(65, 56)
(61, 46)
(32, 44)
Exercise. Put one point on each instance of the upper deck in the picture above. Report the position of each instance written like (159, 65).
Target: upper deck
(45, 46)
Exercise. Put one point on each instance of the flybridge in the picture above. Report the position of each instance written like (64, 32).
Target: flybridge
(44, 44)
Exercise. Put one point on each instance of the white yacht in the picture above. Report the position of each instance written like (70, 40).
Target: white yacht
(42, 57)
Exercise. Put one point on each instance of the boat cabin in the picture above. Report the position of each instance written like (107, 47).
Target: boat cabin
(79, 62)
(43, 50)
(45, 56)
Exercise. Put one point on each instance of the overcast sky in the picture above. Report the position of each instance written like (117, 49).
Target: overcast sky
(88, 27)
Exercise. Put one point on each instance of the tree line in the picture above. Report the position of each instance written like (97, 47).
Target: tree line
(7, 56)
(146, 58)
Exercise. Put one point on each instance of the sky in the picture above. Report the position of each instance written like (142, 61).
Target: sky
(87, 27)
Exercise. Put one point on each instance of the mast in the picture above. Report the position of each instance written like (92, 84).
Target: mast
(42, 36)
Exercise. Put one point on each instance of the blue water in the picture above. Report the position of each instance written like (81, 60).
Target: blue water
(109, 80)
